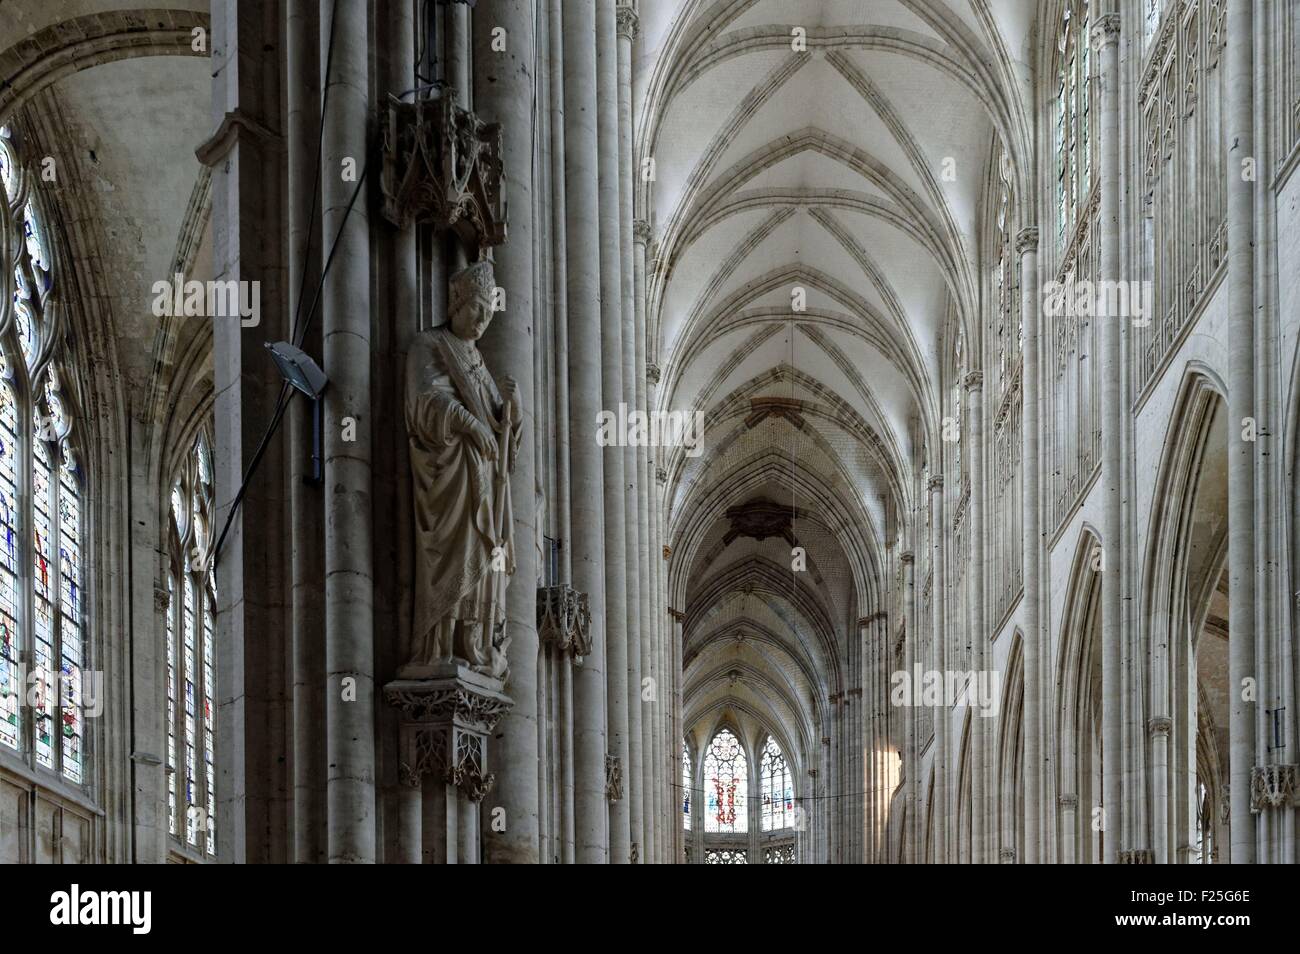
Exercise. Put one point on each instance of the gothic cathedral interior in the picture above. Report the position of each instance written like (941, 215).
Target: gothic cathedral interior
(654, 431)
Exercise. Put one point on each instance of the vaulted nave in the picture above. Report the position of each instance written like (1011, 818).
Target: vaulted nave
(664, 431)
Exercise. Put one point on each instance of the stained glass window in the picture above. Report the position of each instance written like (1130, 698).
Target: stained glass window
(726, 785)
(42, 592)
(778, 792)
(11, 688)
(726, 856)
(191, 659)
(686, 787)
(43, 555)
(170, 615)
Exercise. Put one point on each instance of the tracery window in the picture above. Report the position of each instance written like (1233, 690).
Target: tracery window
(42, 605)
(1074, 132)
(1150, 19)
(779, 855)
(778, 792)
(686, 787)
(1204, 824)
(1003, 344)
(726, 856)
(191, 673)
(1073, 435)
(1184, 238)
(726, 785)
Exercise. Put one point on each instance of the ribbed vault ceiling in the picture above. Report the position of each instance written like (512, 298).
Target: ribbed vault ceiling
(853, 171)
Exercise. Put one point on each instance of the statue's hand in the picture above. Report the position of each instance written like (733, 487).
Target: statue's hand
(510, 391)
(483, 440)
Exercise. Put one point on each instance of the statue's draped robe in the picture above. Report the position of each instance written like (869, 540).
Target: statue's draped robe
(456, 501)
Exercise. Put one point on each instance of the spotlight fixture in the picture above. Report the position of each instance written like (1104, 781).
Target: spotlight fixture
(297, 367)
(305, 376)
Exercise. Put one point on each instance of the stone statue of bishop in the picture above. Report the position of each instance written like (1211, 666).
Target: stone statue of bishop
(464, 435)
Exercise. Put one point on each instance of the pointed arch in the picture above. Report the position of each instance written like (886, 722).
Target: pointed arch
(1011, 755)
(1078, 714)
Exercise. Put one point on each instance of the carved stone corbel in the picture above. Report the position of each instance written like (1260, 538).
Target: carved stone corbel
(613, 778)
(564, 619)
(444, 727)
(1272, 786)
(1137, 856)
(442, 166)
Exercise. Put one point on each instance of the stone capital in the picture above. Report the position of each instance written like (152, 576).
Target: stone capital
(629, 24)
(161, 599)
(641, 230)
(1159, 725)
(1104, 30)
(1068, 802)
(1027, 240)
(935, 484)
(652, 372)
(1007, 856)
(1137, 856)
(907, 557)
(973, 381)
(661, 475)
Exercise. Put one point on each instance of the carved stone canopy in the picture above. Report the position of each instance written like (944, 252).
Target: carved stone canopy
(442, 166)
(564, 619)
(761, 518)
(1273, 786)
(613, 778)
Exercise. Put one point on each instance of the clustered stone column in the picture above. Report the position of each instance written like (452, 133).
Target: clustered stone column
(1243, 719)
(939, 663)
(349, 556)
(415, 765)
(978, 625)
(1105, 39)
(911, 767)
(503, 93)
(445, 724)
(1031, 550)
(613, 345)
(587, 476)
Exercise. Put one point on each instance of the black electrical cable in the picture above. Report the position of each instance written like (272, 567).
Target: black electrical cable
(282, 404)
(286, 391)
